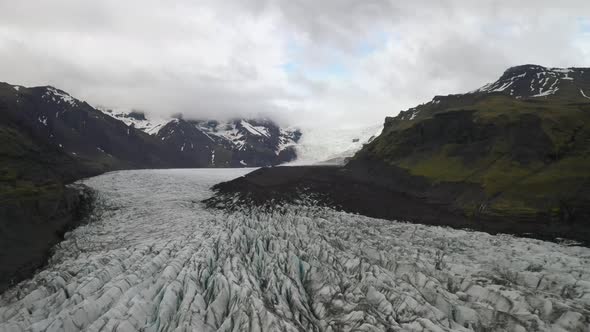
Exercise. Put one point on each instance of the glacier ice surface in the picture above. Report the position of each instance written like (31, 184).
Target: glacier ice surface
(154, 259)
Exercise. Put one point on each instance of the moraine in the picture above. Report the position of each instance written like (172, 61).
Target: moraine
(154, 259)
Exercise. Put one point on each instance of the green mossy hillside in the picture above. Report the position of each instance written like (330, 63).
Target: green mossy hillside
(529, 157)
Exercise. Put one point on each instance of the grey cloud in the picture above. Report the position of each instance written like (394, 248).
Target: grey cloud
(224, 58)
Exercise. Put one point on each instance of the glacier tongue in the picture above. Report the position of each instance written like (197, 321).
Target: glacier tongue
(154, 259)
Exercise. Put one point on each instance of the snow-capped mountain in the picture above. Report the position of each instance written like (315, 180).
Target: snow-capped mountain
(72, 127)
(103, 139)
(537, 81)
(117, 136)
(527, 83)
(234, 143)
(137, 119)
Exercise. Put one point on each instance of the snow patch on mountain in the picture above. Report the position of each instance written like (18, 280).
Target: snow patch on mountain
(532, 81)
(237, 132)
(227, 131)
(287, 139)
(414, 114)
(59, 97)
(149, 124)
(234, 133)
(42, 119)
(255, 130)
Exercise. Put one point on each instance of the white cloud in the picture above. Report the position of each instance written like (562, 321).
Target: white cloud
(339, 61)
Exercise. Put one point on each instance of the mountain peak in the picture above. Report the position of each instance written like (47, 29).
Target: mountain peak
(520, 69)
(237, 142)
(59, 96)
(531, 81)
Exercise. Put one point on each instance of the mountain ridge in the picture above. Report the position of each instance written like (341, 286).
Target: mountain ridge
(543, 81)
(237, 142)
(524, 82)
(45, 109)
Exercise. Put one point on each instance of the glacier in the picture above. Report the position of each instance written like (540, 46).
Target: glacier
(151, 257)
(325, 145)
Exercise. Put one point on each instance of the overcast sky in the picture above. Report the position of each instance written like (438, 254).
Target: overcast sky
(344, 62)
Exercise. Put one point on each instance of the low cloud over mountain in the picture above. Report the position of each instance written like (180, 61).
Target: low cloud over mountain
(292, 60)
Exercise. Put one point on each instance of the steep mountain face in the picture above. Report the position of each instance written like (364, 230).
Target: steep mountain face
(105, 139)
(537, 81)
(137, 119)
(35, 207)
(236, 143)
(515, 148)
(99, 142)
(211, 143)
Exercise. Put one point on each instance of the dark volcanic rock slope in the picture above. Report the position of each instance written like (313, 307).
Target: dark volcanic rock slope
(517, 148)
(99, 142)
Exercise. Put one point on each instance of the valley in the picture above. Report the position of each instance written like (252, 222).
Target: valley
(295, 166)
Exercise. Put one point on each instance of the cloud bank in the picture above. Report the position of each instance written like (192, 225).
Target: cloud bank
(339, 62)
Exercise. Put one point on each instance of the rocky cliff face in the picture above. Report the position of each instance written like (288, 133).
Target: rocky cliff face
(515, 148)
(33, 224)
